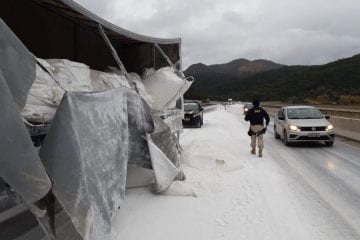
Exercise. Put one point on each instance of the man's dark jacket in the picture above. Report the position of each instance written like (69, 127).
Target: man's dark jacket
(256, 116)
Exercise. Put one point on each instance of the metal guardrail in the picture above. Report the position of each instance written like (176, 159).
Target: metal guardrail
(347, 111)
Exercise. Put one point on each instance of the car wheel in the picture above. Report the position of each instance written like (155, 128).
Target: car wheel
(286, 141)
(202, 121)
(329, 144)
(276, 135)
(198, 124)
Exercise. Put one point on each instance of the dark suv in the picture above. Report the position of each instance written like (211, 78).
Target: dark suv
(193, 114)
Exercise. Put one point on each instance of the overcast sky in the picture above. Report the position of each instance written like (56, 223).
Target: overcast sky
(290, 32)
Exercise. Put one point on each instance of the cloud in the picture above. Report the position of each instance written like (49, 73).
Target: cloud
(291, 32)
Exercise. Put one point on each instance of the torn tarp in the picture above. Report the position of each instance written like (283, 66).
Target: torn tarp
(17, 65)
(164, 139)
(165, 154)
(140, 123)
(86, 155)
(20, 165)
(160, 162)
(94, 136)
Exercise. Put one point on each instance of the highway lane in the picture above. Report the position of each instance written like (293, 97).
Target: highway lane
(326, 179)
(299, 192)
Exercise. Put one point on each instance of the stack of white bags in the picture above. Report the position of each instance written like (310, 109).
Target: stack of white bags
(159, 88)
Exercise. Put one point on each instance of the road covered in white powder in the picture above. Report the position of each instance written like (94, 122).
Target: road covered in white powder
(298, 192)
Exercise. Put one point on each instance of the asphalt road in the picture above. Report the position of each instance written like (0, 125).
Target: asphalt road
(301, 192)
(326, 178)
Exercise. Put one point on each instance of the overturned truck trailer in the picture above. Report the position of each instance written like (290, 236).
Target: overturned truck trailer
(63, 177)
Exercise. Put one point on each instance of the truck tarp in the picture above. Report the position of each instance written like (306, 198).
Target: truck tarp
(87, 151)
(93, 138)
(20, 164)
(86, 154)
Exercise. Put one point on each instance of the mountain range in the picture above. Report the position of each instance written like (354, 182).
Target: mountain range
(242, 79)
(239, 67)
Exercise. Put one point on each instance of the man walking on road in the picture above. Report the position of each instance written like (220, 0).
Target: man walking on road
(256, 116)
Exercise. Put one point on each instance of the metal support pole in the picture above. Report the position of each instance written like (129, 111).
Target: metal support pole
(177, 64)
(169, 60)
(114, 53)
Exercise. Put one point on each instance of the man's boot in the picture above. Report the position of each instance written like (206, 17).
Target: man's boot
(260, 152)
(253, 151)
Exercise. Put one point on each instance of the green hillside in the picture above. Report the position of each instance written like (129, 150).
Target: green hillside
(325, 83)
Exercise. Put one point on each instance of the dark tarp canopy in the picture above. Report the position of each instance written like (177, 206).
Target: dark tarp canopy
(64, 29)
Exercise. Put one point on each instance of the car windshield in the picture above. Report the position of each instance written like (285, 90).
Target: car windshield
(304, 113)
(248, 106)
(191, 107)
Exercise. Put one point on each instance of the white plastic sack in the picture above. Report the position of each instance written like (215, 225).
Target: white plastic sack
(46, 93)
(101, 81)
(44, 96)
(160, 89)
(72, 76)
(165, 87)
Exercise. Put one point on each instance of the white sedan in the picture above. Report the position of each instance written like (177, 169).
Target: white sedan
(303, 124)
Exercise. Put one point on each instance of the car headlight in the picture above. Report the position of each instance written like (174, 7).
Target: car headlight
(294, 128)
(329, 127)
(245, 109)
